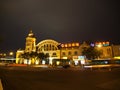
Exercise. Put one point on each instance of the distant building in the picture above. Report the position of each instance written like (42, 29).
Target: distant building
(116, 51)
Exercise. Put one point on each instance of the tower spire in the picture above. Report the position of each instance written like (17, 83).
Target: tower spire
(30, 33)
(30, 42)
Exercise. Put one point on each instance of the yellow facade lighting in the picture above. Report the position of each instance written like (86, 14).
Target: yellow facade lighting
(99, 45)
(77, 44)
(11, 53)
(73, 44)
(107, 42)
(103, 42)
(4, 54)
(66, 45)
(62, 45)
(69, 45)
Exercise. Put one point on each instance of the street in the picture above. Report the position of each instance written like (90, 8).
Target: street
(24, 78)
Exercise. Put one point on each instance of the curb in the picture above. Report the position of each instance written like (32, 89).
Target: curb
(1, 88)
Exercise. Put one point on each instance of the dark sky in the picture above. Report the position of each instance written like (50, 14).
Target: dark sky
(61, 20)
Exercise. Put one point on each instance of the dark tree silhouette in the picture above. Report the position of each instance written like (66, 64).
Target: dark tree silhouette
(91, 53)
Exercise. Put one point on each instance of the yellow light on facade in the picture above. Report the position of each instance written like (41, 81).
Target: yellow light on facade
(99, 45)
(50, 60)
(62, 45)
(11, 53)
(117, 57)
(107, 42)
(103, 42)
(37, 62)
(73, 44)
(43, 62)
(29, 62)
(69, 44)
(64, 57)
(65, 45)
(58, 62)
(4, 54)
(77, 44)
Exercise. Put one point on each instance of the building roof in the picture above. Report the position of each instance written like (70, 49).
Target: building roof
(31, 34)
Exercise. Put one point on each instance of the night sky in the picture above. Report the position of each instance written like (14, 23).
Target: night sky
(61, 20)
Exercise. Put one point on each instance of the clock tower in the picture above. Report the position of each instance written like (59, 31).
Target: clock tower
(30, 45)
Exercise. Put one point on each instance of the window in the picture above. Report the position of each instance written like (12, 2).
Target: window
(75, 53)
(54, 54)
(69, 53)
(63, 53)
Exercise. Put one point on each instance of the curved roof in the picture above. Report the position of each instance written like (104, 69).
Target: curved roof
(48, 41)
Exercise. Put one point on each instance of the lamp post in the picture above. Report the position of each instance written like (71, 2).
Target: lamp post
(11, 55)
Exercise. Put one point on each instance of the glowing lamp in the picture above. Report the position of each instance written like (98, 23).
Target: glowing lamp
(99, 45)
(73, 44)
(65, 45)
(11, 53)
(77, 44)
(62, 45)
(69, 45)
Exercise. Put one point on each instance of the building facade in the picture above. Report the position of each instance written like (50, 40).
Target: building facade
(56, 50)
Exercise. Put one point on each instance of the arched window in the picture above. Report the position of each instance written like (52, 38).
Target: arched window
(63, 53)
(75, 53)
(69, 53)
(54, 54)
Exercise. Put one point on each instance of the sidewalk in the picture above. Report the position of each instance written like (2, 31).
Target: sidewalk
(1, 88)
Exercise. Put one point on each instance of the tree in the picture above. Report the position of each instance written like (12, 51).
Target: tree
(91, 52)
(25, 55)
(41, 55)
(46, 55)
(34, 56)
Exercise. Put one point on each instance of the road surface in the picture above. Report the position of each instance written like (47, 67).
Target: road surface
(23, 78)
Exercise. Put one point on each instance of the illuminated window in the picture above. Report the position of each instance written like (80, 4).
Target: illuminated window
(69, 45)
(65, 45)
(103, 42)
(73, 44)
(77, 44)
(62, 45)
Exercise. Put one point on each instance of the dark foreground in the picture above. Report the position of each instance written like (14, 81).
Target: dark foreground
(23, 78)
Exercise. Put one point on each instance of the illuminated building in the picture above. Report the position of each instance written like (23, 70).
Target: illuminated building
(105, 49)
(30, 42)
(56, 50)
(116, 51)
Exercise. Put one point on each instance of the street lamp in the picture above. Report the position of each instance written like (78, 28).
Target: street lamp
(99, 45)
(11, 53)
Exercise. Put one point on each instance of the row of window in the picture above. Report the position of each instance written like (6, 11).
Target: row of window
(69, 53)
(47, 48)
(65, 53)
